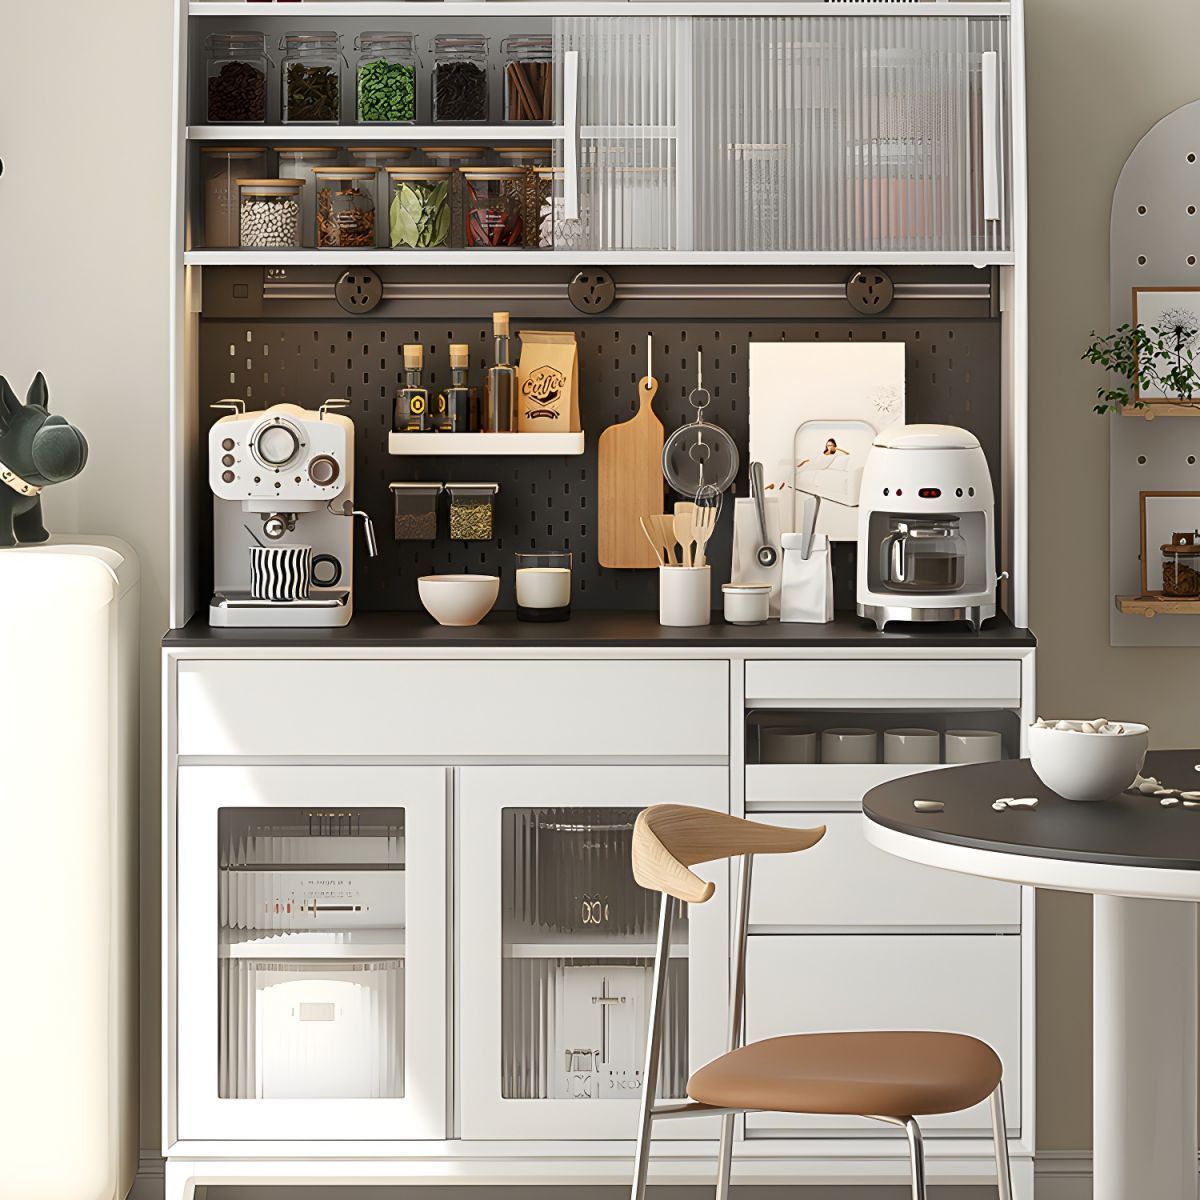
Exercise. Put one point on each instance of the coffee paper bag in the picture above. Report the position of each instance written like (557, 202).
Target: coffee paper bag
(548, 382)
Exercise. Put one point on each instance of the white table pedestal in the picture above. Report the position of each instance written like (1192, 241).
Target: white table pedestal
(1144, 1049)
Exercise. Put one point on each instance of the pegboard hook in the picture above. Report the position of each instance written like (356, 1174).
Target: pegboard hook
(649, 360)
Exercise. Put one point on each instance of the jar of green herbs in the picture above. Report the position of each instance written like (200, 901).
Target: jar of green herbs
(386, 78)
(419, 212)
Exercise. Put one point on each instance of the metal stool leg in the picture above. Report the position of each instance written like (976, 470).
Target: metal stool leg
(1000, 1142)
(725, 1157)
(916, 1153)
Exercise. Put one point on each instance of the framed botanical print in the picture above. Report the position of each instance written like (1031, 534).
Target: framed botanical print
(1175, 313)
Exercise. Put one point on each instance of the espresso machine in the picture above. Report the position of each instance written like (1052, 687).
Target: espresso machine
(926, 528)
(283, 476)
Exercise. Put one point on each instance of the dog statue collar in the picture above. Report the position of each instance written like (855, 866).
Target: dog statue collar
(14, 481)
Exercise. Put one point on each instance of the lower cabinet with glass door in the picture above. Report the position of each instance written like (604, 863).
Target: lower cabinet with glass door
(311, 909)
(557, 943)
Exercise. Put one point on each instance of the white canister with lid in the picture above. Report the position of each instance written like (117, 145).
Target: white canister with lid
(746, 603)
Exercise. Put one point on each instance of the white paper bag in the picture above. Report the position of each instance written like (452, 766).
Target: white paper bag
(807, 587)
(746, 541)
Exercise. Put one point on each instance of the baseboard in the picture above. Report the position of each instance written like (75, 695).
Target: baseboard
(148, 1182)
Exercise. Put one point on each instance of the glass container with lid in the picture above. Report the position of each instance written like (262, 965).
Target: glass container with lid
(312, 74)
(385, 77)
(345, 206)
(922, 555)
(419, 209)
(456, 157)
(495, 206)
(1181, 566)
(472, 511)
(527, 159)
(461, 87)
(269, 212)
(221, 167)
(380, 157)
(298, 162)
(554, 229)
(236, 78)
(416, 511)
(528, 77)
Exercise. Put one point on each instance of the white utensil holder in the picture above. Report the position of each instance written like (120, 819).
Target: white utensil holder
(684, 595)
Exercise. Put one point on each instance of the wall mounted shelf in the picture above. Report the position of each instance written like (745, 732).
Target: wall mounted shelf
(374, 133)
(1151, 606)
(428, 445)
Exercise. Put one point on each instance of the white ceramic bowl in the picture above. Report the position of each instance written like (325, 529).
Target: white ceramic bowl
(1088, 766)
(458, 599)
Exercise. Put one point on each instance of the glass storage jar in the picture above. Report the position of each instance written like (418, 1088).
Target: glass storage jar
(526, 159)
(221, 168)
(380, 157)
(298, 162)
(236, 78)
(472, 511)
(1181, 566)
(385, 78)
(460, 79)
(416, 511)
(495, 206)
(419, 210)
(345, 206)
(312, 78)
(554, 229)
(269, 213)
(528, 77)
(456, 157)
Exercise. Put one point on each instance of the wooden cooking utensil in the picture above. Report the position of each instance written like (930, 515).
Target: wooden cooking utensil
(704, 521)
(685, 512)
(650, 529)
(629, 466)
(660, 529)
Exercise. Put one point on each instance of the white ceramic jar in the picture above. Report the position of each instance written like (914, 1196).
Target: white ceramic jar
(746, 603)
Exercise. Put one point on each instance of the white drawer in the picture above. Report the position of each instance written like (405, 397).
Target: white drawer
(832, 984)
(883, 683)
(438, 708)
(792, 788)
(844, 881)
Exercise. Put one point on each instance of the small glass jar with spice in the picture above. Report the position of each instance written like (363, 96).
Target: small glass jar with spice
(495, 206)
(461, 87)
(299, 162)
(380, 157)
(456, 157)
(527, 159)
(236, 78)
(221, 168)
(528, 78)
(416, 506)
(345, 207)
(385, 76)
(269, 213)
(312, 78)
(419, 210)
(1181, 566)
(472, 511)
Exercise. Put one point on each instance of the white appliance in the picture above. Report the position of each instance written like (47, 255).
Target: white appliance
(926, 528)
(68, 795)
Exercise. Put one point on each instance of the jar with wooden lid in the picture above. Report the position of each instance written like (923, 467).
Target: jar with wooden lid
(345, 207)
(419, 208)
(455, 157)
(495, 204)
(221, 167)
(555, 230)
(269, 213)
(380, 157)
(1181, 566)
(299, 162)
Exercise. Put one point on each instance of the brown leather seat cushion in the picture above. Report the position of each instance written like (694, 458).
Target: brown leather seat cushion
(855, 1074)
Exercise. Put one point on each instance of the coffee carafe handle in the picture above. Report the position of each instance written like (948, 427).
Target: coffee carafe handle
(893, 546)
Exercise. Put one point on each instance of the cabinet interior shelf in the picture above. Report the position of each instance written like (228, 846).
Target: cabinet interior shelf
(431, 444)
(375, 133)
(599, 8)
(588, 946)
(314, 944)
(1151, 606)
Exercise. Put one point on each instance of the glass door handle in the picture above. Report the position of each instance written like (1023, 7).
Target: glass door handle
(571, 135)
(990, 118)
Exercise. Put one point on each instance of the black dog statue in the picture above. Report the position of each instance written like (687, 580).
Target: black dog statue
(36, 450)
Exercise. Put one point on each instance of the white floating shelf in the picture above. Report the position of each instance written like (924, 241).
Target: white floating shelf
(427, 445)
(272, 135)
(315, 944)
(590, 8)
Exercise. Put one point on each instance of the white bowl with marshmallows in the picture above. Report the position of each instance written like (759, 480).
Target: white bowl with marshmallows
(1088, 760)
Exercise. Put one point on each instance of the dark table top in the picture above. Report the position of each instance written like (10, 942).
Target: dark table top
(640, 629)
(1130, 831)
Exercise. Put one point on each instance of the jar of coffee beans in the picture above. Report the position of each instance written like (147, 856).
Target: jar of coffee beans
(236, 78)
(1181, 566)
(345, 206)
(312, 78)
(269, 213)
(461, 91)
(416, 511)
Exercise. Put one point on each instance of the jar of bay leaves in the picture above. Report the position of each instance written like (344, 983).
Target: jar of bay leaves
(385, 77)
(236, 78)
(345, 207)
(221, 168)
(456, 157)
(312, 78)
(380, 157)
(419, 209)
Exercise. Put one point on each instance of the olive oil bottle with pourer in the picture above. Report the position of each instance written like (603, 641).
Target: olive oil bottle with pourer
(457, 404)
(500, 385)
(412, 400)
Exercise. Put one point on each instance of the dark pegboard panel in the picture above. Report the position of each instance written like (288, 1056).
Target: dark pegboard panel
(953, 377)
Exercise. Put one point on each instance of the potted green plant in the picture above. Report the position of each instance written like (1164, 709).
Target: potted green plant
(1159, 359)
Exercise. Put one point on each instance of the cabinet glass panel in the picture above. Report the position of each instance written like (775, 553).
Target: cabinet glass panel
(311, 937)
(579, 937)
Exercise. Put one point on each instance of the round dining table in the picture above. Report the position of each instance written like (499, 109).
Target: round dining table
(1140, 860)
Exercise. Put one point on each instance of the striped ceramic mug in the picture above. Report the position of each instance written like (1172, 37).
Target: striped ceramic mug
(285, 573)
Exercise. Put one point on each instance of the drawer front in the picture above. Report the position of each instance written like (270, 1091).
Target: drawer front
(883, 683)
(844, 881)
(451, 708)
(965, 984)
(813, 786)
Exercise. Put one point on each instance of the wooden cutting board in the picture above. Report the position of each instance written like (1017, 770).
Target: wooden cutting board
(629, 464)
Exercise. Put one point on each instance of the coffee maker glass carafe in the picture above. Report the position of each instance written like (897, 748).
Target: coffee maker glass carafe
(923, 555)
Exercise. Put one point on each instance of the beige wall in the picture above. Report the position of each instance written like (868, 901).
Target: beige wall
(85, 251)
